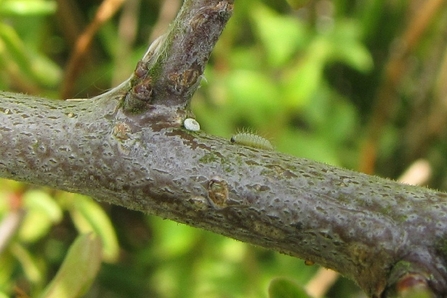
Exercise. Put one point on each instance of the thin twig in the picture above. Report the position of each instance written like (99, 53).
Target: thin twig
(9, 226)
(106, 10)
(167, 13)
(394, 70)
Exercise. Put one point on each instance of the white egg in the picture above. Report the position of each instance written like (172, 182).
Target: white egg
(191, 124)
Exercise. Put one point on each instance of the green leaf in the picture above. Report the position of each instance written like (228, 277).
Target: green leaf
(79, 269)
(285, 288)
(14, 46)
(30, 63)
(280, 35)
(26, 7)
(254, 92)
(347, 47)
(88, 216)
(45, 71)
(311, 146)
(8, 266)
(42, 213)
(173, 239)
(297, 4)
(30, 264)
(43, 202)
(302, 81)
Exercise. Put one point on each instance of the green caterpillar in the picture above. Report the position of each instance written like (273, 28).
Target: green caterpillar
(251, 140)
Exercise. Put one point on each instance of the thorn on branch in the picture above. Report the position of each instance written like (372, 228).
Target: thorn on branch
(141, 70)
(170, 71)
(139, 96)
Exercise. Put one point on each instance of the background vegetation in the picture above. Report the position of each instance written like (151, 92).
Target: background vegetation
(359, 84)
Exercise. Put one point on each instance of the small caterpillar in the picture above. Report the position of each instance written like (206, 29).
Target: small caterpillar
(251, 140)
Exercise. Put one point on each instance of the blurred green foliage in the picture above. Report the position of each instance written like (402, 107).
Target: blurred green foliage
(306, 79)
(280, 79)
(79, 269)
(284, 288)
(22, 33)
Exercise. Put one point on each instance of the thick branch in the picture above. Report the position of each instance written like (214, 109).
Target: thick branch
(372, 230)
(356, 224)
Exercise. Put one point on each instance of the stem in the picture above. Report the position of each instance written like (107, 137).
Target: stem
(170, 71)
(356, 224)
(128, 147)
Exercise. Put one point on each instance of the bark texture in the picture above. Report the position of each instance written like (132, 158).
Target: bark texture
(128, 147)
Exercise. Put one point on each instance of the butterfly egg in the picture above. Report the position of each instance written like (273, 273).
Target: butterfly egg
(191, 124)
(251, 140)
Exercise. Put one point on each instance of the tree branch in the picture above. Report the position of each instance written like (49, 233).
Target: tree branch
(170, 71)
(132, 150)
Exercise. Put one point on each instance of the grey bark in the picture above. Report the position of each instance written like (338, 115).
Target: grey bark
(128, 147)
